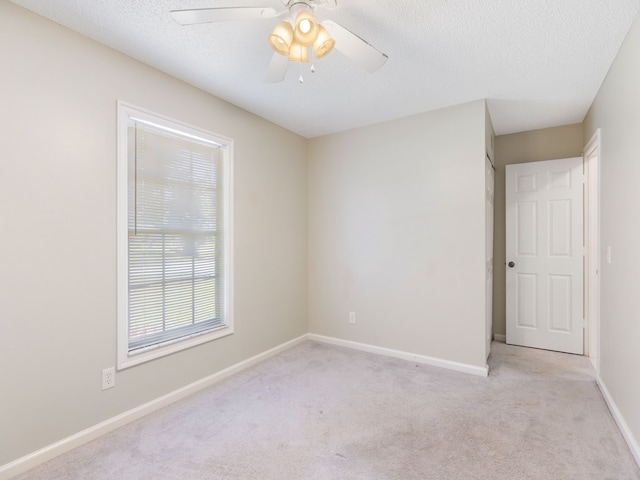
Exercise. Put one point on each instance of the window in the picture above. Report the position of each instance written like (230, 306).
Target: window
(174, 236)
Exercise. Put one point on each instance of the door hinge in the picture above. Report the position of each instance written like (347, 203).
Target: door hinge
(584, 324)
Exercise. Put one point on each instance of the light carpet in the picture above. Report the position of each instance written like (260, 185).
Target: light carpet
(324, 412)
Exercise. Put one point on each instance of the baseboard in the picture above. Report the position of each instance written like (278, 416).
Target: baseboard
(412, 357)
(47, 453)
(498, 337)
(622, 424)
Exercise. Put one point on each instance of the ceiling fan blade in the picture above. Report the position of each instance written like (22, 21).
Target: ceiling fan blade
(223, 14)
(277, 68)
(354, 47)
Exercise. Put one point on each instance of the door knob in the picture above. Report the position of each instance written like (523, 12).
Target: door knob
(511, 264)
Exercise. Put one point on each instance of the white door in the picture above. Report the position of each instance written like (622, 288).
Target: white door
(544, 254)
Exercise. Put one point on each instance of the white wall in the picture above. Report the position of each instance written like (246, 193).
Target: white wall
(58, 95)
(616, 110)
(396, 234)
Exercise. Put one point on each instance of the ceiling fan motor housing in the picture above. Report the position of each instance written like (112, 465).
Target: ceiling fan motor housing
(311, 3)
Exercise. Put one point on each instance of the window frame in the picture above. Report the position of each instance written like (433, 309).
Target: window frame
(125, 358)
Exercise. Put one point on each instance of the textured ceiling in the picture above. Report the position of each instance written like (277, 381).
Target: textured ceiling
(538, 62)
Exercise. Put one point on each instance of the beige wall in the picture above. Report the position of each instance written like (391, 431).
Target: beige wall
(58, 95)
(616, 111)
(396, 234)
(533, 146)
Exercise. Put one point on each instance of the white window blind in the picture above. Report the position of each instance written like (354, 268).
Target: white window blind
(175, 236)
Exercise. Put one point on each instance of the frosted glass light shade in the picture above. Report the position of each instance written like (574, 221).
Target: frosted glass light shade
(298, 52)
(323, 44)
(306, 28)
(281, 38)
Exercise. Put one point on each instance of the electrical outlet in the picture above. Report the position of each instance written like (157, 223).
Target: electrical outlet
(108, 378)
(352, 317)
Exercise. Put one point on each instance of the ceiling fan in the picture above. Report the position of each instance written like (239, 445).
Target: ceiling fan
(295, 35)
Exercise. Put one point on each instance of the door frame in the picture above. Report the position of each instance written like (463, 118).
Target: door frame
(592, 154)
(490, 182)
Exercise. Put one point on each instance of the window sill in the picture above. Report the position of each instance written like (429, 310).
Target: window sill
(127, 359)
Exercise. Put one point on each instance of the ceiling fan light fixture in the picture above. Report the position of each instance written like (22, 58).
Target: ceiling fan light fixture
(306, 28)
(281, 38)
(323, 44)
(298, 52)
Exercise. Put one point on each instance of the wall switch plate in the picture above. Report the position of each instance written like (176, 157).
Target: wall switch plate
(352, 317)
(108, 378)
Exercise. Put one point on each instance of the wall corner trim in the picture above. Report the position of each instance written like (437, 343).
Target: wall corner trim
(412, 357)
(38, 457)
(620, 421)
